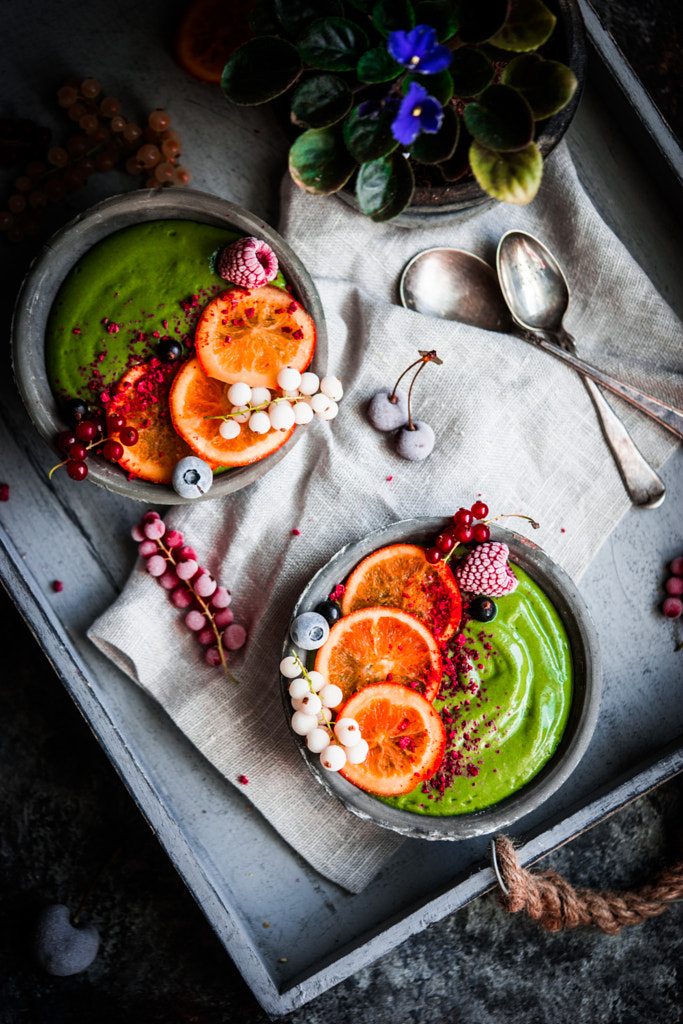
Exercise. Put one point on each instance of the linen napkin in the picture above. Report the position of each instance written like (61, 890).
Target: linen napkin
(513, 425)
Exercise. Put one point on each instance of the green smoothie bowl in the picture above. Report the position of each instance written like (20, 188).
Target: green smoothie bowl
(494, 725)
(110, 310)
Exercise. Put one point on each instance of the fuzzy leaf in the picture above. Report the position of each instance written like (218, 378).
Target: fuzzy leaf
(440, 15)
(263, 21)
(296, 15)
(440, 85)
(546, 85)
(471, 71)
(368, 138)
(482, 20)
(391, 15)
(433, 149)
(333, 44)
(260, 70)
(377, 65)
(528, 26)
(459, 162)
(320, 101)
(500, 119)
(510, 177)
(385, 187)
(319, 162)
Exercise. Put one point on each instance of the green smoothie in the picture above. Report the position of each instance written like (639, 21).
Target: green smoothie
(504, 700)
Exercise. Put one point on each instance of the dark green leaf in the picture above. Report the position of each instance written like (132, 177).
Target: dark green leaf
(528, 26)
(333, 44)
(385, 187)
(479, 21)
(471, 71)
(433, 149)
(546, 85)
(296, 15)
(377, 65)
(510, 177)
(263, 20)
(440, 15)
(500, 119)
(319, 162)
(440, 85)
(368, 138)
(459, 163)
(393, 15)
(259, 70)
(363, 5)
(320, 101)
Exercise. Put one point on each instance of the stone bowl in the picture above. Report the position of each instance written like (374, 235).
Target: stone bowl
(583, 713)
(63, 251)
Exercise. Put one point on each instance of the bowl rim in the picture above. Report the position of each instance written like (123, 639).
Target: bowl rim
(584, 708)
(60, 254)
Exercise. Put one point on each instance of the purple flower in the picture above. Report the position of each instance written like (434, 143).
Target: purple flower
(419, 112)
(419, 50)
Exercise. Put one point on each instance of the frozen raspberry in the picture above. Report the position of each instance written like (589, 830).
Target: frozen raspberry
(248, 262)
(486, 571)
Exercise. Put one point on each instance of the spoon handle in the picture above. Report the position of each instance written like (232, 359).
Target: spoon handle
(664, 414)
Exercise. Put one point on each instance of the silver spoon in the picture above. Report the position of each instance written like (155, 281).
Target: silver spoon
(431, 284)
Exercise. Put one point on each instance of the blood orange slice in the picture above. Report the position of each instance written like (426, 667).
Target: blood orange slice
(141, 397)
(196, 400)
(208, 33)
(400, 576)
(375, 645)
(405, 735)
(250, 335)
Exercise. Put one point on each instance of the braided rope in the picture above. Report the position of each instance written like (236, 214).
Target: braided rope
(549, 899)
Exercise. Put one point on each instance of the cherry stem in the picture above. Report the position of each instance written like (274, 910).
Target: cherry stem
(514, 515)
(392, 397)
(86, 894)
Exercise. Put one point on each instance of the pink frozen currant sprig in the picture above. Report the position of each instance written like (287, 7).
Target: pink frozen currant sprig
(191, 588)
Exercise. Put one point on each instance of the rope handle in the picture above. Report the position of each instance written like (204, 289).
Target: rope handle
(549, 899)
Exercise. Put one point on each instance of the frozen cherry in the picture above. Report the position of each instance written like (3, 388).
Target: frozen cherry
(61, 946)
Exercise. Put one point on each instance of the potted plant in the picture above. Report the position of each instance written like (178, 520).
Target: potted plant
(429, 102)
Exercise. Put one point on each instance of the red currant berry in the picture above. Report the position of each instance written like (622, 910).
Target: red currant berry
(463, 534)
(129, 436)
(676, 567)
(77, 470)
(86, 431)
(112, 450)
(444, 543)
(78, 451)
(480, 510)
(480, 532)
(65, 440)
(433, 555)
(463, 517)
(672, 607)
(115, 423)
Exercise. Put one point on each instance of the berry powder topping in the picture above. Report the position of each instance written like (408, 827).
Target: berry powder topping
(485, 570)
(248, 262)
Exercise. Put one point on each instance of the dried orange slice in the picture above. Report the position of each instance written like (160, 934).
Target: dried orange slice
(400, 576)
(195, 401)
(375, 645)
(405, 735)
(208, 33)
(250, 335)
(141, 397)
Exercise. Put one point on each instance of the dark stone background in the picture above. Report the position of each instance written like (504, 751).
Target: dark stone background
(64, 816)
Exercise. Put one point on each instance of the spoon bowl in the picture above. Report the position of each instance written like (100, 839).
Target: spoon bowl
(533, 285)
(455, 285)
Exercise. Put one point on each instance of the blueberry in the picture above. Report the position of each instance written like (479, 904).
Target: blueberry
(61, 947)
(192, 477)
(483, 609)
(309, 631)
(169, 350)
(75, 410)
(329, 610)
(386, 415)
(415, 444)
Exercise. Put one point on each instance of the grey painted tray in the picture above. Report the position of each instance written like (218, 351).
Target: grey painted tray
(54, 530)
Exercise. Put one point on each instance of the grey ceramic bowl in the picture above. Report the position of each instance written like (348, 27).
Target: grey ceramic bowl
(585, 698)
(63, 251)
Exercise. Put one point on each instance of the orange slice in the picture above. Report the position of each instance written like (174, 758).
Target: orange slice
(195, 400)
(400, 576)
(250, 335)
(376, 645)
(141, 396)
(405, 735)
(208, 33)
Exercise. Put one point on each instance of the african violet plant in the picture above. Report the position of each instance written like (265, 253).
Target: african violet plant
(380, 86)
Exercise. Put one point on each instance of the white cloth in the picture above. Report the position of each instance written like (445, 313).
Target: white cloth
(513, 426)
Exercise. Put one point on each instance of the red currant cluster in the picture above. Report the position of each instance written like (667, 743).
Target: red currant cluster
(88, 434)
(672, 606)
(466, 528)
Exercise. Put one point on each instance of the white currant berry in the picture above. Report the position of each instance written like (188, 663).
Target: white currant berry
(333, 757)
(229, 429)
(302, 723)
(290, 668)
(290, 394)
(319, 403)
(311, 704)
(331, 695)
(239, 393)
(317, 740)
(358, 752)
(347, 731)
(330, 412)
(240, 413)
(259, 422)
(296, 703)
(288, 378)
(281, 415)
(332, 387)
(259, 396)
(309, 384)
(325, 715)
(317, 680)
(303, 413)
(298, 687)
